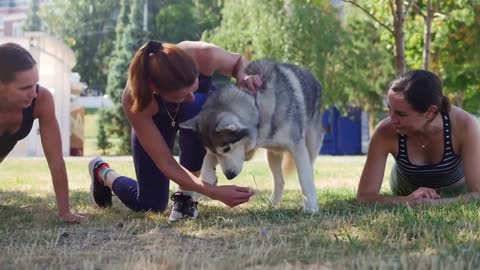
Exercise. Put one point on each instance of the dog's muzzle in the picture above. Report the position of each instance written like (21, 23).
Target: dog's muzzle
(230, 175)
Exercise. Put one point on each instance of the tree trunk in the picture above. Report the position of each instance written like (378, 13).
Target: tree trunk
(427, 35)
(399, 36)
(435, 61)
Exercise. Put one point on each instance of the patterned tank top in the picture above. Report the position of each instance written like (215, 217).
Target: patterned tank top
(448, 171)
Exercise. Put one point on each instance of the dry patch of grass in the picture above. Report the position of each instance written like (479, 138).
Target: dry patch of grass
(344, 235)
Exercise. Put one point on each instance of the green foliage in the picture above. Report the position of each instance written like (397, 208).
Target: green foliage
(460, 63)
(350, 61)
(119, 126)
(361, 68)
(176, 21)
(454, 49)
(186, 19)
(120, 59)
(87, 27)
(252, 28)
(455, 54)
(207, 13)
(132, 37)
(33, 23)
(122, 22)
(102, 139)
(289, 31)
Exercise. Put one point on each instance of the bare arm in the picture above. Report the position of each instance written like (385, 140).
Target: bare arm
(374, 170)
(52, 146)
(211, 58)
(471, 154)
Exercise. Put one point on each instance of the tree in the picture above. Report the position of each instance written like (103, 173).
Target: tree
(398, 13)
(102, 139)
(119, 60)
(87, 27)
(352, 70)
(132, 38)
(33, 23)
(291, 31)
(460, 57)
(175, 22)
(186, 19)
(362, 66)
(446, 45)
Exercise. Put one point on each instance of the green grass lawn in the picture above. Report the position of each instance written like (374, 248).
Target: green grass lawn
(343, 235)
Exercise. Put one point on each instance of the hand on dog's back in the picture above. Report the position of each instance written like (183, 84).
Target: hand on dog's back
(232, 195)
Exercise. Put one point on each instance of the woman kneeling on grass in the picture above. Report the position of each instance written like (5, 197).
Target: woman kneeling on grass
(167, 85)
(436, 147)
(22, 100)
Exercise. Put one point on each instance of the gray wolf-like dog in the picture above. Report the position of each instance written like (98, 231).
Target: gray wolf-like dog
(283, 116)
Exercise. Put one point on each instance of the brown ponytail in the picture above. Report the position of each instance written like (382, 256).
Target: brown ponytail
(445, 104)
(421, 90)
(160, 68)
(141, 94)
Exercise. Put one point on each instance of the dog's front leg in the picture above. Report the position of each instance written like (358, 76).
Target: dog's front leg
(275, 163)
(207, 173)
(305, 176)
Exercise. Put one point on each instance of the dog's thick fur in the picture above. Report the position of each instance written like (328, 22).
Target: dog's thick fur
(283, 116)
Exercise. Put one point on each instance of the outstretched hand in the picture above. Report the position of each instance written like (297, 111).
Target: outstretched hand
(232, 195)
(422, 195)
(73, 218)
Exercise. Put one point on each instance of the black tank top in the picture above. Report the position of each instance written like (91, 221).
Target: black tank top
(8, 141)
(205, 84)
(448, 171)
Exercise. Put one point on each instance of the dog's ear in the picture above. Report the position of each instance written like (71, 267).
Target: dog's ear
(190, 124)
(228, 122)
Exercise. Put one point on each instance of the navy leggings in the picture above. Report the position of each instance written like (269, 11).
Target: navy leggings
(150, 191)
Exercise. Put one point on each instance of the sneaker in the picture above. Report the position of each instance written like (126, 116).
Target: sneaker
(101, 194)
(183, 207)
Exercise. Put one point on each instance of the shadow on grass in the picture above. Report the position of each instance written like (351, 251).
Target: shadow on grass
(23, 209)
(342, 229)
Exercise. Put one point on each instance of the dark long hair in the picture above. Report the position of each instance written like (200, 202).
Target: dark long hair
(421, 90)
(13, 58)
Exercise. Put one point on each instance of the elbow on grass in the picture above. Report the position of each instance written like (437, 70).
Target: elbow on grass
(367, 199)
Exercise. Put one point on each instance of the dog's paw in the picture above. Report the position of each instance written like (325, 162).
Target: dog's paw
(311, 209)
(209, 176)
(212, 180)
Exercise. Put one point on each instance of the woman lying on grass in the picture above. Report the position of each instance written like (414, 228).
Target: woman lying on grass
(436, 147)
(22, 101)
